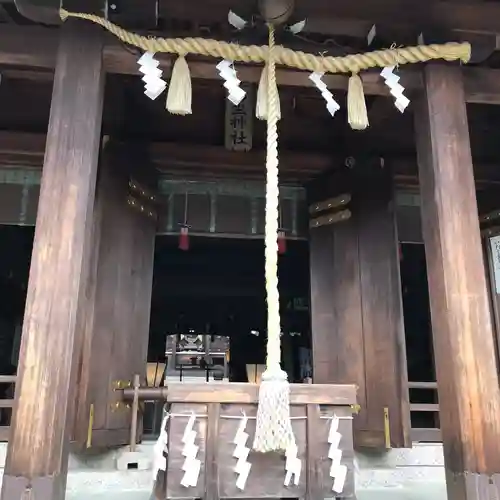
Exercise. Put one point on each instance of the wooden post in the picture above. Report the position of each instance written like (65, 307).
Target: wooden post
(38, 446)
(469, 395)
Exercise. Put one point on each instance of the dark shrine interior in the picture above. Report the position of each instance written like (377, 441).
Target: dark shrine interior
(217, 286)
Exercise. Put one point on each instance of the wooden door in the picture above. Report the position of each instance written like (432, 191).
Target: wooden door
(356, 305)
(115, 331)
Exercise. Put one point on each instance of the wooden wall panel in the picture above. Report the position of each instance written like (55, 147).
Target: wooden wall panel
(409, 224)
(196, 213)
(233, 209)
(357, 317)
(233, 214)
(10, 203)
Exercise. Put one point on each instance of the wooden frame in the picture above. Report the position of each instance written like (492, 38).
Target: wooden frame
(219, 408)
(424, 434)
(6, 403)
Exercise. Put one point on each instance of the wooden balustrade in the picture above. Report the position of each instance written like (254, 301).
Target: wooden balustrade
(5, 406)
(426, 434)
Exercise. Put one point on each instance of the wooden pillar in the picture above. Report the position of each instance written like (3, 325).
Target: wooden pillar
(469, 395)
(356, 306)
(39, 440)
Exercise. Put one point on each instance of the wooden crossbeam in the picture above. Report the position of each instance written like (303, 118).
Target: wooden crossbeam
(35, 48)
(201, 161)
(461, 16)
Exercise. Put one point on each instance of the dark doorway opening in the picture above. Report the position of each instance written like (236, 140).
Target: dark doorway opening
(418, 330)
(16, 243)
(217, 288)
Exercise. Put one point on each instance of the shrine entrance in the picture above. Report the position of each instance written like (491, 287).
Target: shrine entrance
(117, 167)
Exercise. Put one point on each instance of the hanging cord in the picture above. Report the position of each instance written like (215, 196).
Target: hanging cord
(287, 57)
(273, 431)
(271, 220)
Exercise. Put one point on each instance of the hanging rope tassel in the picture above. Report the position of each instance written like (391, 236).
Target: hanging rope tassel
(356, 105)
(273, 430)
(262, 94)
(179, 95)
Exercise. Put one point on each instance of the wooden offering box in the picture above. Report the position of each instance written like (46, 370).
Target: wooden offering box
(216, 412)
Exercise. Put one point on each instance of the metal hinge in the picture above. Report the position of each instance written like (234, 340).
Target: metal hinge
(334, 208)
(329, 204)
(324, 220)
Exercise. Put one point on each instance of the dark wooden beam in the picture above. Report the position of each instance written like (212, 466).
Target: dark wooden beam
(462, 16)
(464, 347)
(47, 11)
(39, 441)
(35, 47)
(323, 17)
(26, 150)
(39, 11)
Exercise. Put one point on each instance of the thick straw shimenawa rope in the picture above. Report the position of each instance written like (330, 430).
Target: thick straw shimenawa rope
(283, 56)
(273, 430)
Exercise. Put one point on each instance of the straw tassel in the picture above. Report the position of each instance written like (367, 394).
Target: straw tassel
(356, 105)
(261, 106)
(179, 95)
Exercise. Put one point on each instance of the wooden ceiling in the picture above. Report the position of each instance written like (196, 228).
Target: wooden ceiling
(306, 128)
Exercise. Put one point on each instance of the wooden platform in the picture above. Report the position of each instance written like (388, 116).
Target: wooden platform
(219, 410)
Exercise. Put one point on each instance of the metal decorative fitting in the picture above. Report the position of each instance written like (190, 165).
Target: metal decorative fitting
(331, 206)
(119, 405)
(356, 408)
(276, 11)
(119, 385)
(325, 220)
(336, 202)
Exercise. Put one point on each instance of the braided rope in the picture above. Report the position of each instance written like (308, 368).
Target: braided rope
(273, 427)
(283, 56)
(272, 215)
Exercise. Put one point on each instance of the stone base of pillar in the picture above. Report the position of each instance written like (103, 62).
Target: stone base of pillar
(472, 486)
(39, 488)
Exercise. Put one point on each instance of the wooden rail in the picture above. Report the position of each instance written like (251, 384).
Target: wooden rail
(6, 403)
(425, 434)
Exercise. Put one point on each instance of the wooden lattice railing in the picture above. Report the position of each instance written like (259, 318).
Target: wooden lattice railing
(430, 434)
(6, 405)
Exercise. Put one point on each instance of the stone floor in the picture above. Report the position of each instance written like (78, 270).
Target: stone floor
(415, 474)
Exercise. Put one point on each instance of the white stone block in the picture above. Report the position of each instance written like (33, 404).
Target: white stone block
(132, 460)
